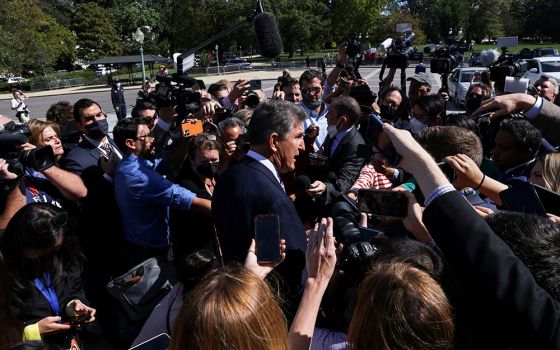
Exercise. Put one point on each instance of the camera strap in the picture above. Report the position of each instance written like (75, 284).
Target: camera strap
(48, 291)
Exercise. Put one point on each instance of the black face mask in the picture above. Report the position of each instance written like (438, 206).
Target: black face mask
(472, 102)
(98, 129)
(387, 112)
(208, 170)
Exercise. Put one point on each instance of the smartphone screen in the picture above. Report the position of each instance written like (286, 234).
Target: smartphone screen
(267, 238)
(385, 203)
(255, 85)
(522, 198)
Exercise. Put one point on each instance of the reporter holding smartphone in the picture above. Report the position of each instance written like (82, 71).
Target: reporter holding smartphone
(45, 265)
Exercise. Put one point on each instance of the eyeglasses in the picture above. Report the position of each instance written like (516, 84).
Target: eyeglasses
(314, 89)
(143, 137)
(43, 225)
(471, 95)
(205, 137)
(141, 120)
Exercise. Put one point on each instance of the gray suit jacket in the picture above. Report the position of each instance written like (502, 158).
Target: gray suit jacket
(548, 122)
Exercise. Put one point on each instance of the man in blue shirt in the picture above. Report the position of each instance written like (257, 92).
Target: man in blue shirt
(144, 196)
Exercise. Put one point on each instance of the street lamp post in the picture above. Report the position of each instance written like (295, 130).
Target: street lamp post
(139, 37)
(217, 59)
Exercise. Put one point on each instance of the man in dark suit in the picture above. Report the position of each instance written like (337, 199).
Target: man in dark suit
(341, 147)
(507, 308)
(100, 232)
(253, 187)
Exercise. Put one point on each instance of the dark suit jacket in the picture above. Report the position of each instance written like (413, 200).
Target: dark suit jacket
(506, 305)
(245, 190)
(548, 122)
(344, 164)
(100, 221)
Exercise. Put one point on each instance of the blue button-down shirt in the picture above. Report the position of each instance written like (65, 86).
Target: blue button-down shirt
(144, 198)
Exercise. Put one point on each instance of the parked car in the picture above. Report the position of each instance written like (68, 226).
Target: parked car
(459, 81)
(14, 80)
(545, 52)
(101, 71)
(244, 64)
(542, 65)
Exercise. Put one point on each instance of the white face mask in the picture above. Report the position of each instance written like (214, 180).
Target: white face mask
(332, 130)
(118, 85)
(416, 126)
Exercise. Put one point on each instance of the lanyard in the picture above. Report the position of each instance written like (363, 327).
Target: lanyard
(48, 292)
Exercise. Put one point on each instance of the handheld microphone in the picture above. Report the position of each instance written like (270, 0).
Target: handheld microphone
(269, 41)
(303, 182)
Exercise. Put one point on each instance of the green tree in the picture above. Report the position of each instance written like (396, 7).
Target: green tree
(128, 15)
(359, 16)
(36, 45)
(302, 24)
(484, 21)
(95, 33)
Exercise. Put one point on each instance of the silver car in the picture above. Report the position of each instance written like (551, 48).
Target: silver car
(460, 80)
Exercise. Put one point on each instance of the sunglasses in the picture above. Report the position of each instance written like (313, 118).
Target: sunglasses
(43, 225)
(205, 137)
(315, 90)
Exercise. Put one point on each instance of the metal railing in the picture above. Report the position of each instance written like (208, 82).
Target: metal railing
(58, 84)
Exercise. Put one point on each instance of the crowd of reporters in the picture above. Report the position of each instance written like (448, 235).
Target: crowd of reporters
(457, 271)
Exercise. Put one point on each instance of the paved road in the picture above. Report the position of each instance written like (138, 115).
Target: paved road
(39, 105)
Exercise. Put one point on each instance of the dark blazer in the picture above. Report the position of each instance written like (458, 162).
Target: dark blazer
(506, 306)
(344, 164)
(548, 122)
(245, 190)
(99, 219)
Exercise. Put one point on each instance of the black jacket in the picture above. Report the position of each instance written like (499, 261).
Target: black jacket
(507, 309)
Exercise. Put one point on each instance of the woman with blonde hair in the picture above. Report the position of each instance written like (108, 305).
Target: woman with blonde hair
(46, 133)
(401, 307)
(546, 172)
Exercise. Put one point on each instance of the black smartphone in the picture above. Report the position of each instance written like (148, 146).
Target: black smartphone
(158, 342)
(385, 203)
(447, 170)
(364, 151)
(549, 199)
(255, 85)
(267, 238)
(523, 198)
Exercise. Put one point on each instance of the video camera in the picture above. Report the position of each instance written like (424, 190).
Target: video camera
(508, 65)
(353, 47)
(445, 59)
(400, 51)
(183, 96)
(11, 139)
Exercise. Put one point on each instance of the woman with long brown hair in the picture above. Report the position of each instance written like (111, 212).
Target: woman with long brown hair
(231, 308)
(401, 307)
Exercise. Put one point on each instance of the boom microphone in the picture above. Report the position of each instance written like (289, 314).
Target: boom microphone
(269, 41)
(489, 57)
